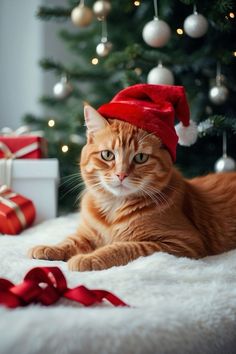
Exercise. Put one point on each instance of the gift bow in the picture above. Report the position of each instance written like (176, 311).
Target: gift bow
(5, 198)
(46, 285)
(23, 130)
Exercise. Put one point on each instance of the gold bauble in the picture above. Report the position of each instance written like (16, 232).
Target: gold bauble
(82, 16)
(101, 8)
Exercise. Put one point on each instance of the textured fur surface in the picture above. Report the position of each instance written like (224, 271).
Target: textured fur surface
(178, 305)
(131, 209)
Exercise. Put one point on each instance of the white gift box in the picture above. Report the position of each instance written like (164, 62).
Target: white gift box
(37, 179)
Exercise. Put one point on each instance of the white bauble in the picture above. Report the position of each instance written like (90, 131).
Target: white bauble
(103, 48)
(81, 16)
(62, 89)
(156, 33)
(218, 94)
(101, 9)
(160, 76)
(225, 164)
(195, 25)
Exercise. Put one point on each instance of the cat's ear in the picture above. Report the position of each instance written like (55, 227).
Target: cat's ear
(93, 120)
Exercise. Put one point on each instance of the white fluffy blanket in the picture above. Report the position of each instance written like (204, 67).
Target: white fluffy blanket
(178, 305)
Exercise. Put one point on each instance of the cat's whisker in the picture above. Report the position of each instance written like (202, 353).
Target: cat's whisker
(69, 191)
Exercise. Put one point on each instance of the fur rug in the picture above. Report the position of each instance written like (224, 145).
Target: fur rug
(178, 305)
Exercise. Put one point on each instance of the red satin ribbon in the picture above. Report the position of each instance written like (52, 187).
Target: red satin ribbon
(46, 285)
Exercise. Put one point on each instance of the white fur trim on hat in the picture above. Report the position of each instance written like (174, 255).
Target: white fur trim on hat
(187, 135)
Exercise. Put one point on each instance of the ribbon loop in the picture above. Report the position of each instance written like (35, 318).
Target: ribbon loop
(46, 285)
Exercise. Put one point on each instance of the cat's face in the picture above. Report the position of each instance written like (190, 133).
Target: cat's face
(121, 159)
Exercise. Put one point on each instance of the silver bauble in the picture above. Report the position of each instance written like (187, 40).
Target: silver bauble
(195, 25)
(225, 164)
(156, 33)
(103, 48)
(81, 16)
(62, 89)
(160, 76)
(101, 9)
(218, 94)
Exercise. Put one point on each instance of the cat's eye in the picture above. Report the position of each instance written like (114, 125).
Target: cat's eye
(107, 155)
(141, 158)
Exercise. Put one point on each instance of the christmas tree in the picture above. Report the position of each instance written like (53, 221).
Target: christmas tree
(120, 43)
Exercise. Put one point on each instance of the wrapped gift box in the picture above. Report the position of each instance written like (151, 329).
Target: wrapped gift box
(38, 181)
(16, 212)
(24, 146)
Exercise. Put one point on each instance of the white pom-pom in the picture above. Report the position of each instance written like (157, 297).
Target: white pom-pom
(187, 135)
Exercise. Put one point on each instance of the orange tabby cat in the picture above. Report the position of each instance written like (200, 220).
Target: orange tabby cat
(136, 203)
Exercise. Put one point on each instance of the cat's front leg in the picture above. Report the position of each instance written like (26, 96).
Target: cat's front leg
(72, 245)
(119, 253)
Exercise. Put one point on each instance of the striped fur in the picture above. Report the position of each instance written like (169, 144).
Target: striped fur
(156, 209)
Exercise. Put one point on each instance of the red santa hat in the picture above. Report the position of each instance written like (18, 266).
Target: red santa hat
(154, 108)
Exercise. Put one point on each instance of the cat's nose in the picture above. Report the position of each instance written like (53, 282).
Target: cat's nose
(122, 176)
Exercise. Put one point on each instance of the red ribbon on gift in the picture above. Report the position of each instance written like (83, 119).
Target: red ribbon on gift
(46, 285)
(16, 212)
(21, 143)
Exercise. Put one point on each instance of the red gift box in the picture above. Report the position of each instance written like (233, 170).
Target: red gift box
(16, 212)
(22, 146)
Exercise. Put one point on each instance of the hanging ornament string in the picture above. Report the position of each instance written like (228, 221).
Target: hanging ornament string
(46, 285)
(104, 31)
(104, 47)
(225, 163)
(218, 74)
(224, 147)
(155, 9)
(219, 93)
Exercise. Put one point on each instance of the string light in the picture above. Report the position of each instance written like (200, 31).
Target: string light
(231, 15)
(234, 54)
(64, 148)
(137, 3)
(179, 31)
(51, 123)
(138, 71)
(94, 61)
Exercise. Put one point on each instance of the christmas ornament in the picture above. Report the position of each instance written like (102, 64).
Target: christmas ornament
(156, 33)
(81, 15)
(195, 25)
(153, 108)
(101, 9)
(219, 93)
(104, 47)
(160, 75)
(63, 88)
(46, 285)
(225, 163)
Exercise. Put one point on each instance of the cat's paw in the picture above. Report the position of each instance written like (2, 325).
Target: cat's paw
(83, 263)
(51, 253)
